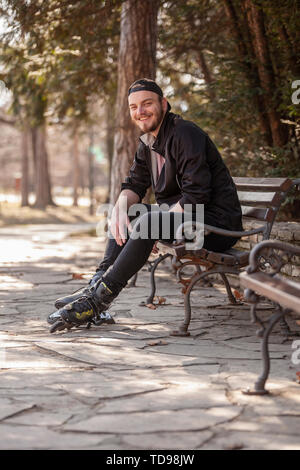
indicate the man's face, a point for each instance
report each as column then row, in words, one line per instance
column 147, row 111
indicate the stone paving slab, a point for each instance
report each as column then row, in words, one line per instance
column 172, row 441
column 155, row 421
column 107, row 356
column 251, row 440
column 131, row 385
column 172, row 398
column 44, row 438
column 9, row 408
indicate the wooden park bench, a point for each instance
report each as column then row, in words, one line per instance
column 262, row 280
column 260, row 198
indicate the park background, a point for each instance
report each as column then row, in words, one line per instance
column 66, row 140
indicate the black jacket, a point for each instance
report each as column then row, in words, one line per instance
column 194, row 173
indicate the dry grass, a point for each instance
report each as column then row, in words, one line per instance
column 13, row 214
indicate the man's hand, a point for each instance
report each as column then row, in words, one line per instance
column 119, row 224
column 155, row 250
column 119, row 219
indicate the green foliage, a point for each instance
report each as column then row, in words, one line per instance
column 278, row 161
column 60, row 55
column 224, row 102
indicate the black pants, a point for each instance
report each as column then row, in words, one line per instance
column 122, row 262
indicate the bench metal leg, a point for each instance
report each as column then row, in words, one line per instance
column 132, row 282
column 152, row 276
column 182, row 330
column 175, row 264
column 285, row 329
column 284, row 326
column 230, row 295
column 259, row 386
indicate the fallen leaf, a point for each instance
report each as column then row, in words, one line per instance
column 152, row 306
column 77, row 276
column 237, row 446
column 238, row 295
column 157, row 343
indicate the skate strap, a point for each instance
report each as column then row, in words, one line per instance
column 110, row 291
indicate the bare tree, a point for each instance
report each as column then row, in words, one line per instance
column 245, row 49
column 255, row 17
column 25, row 167
column 76, row 166
column 137, row 59
column 42, row 176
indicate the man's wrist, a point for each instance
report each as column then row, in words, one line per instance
column 176, row 208
column 127, row 198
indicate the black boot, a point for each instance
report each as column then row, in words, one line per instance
column 62, row 301
column 87, row 309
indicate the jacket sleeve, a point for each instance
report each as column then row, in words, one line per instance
column 193, row 170
column 139, row 179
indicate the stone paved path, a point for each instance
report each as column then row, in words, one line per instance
column 130, row 385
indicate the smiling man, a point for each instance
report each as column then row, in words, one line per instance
column 147, row 109
column 185, row 170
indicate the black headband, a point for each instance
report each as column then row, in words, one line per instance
column 145, row 85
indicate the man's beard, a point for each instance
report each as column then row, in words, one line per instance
column 156, row 122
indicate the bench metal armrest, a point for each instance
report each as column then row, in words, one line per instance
column 296, row 183
column 270, row 245
column 233, row 233
column 199, row 230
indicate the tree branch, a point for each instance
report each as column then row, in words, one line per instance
column 10, row 122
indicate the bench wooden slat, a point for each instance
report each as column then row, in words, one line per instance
column 280, row 290
column 221, row 258
column 230, row 257
column 175, row 250
column 242, row 257
column 260, row 199
column 262, row 184
column 258, row 213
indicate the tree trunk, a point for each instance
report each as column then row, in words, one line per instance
column 91, row 170
column 247, row 58
column 137, row 59
column 265, row 71
column 206, row 74
column 109, row 140
column 76, row 167
column 25, row 168
column 42, row 176
column 291, row 54
column 33, row 132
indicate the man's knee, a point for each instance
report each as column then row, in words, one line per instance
column 141, row 227
column 136, row 211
